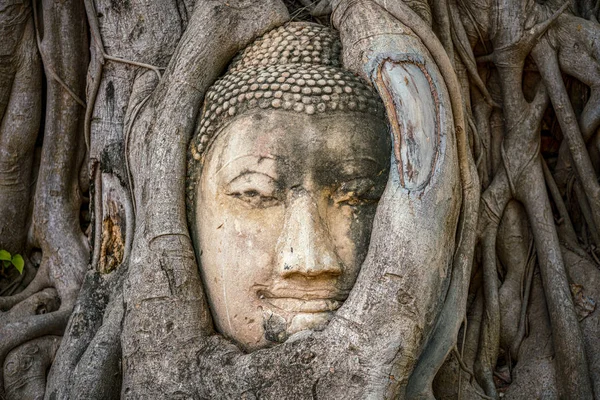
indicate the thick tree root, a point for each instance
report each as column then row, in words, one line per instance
column 444, row 336
column 25, row 368
column 87, row 364
column 29, row 328
column 20, row 114
column 57, row 203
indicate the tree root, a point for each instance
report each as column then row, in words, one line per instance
column 489, row 336
column 514, row 253
column 570, row 235
column 99, row 368
column 461, row 43
column 526, row 293
column 101, row 53
column 21, row 282
column 87, row 364
column 442, row 26
column 48, row 66
column 39, row 282
column 32, row 327
column 20, row 114
column 445, row 333
column 522, row 180
column 568, row 343
column 547, row 62
column 57, row 203
column 466, row 369
column 42, row 302
column 25, row 368
column 588, row 213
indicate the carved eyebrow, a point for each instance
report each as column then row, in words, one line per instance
column 259, row 161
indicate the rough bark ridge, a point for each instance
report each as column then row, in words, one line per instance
column 455, row 299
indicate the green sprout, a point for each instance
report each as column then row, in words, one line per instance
column 16, row 261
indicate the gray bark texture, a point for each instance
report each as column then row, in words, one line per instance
column 482, row 276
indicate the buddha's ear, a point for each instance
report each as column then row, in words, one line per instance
column 405, row 279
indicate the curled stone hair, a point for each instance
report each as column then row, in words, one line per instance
column 296, row 68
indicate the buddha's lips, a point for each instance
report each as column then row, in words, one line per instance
column 304, row 301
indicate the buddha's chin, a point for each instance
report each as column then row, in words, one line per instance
column 279, row 326
column 309, row 321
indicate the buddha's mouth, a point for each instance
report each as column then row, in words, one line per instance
column 303, row 301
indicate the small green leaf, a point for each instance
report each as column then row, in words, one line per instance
column 4, row 255
column 18, row 262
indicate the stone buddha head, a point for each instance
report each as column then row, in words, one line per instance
column 286, row 168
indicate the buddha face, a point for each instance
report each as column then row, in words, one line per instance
column 285, row 205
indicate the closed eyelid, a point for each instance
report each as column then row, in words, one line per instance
column 247, row 173
column 244, row 165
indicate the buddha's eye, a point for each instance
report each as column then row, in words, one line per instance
column 254, row 199
column 257, row 190
column 358, row 192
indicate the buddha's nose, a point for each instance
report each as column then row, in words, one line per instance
column 304, row 247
